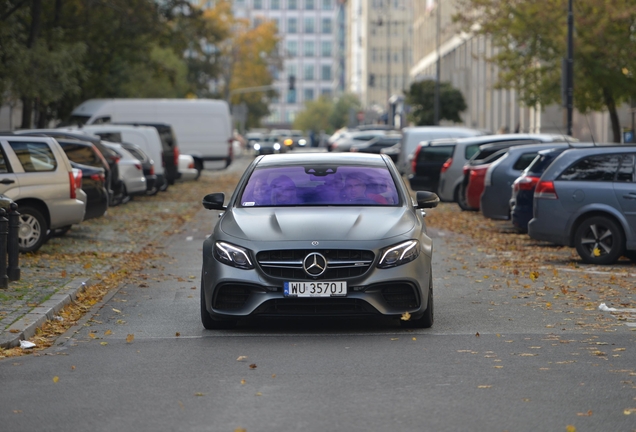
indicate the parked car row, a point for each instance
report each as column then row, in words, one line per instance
column 61, row 177
column 581, row 195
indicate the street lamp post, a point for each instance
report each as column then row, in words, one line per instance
column 569, row 73
column 438, row 64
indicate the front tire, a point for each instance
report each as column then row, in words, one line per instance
column 208, row 322
column 426, row 320
column 32, row 233
column 599, row 240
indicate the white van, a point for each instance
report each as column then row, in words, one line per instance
column 145, row 137
column 203, row 127
column 412, row 136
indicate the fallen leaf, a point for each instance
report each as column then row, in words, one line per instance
column 570, row 428
column 406, row 316
column 108, row 333
column 130, row 338
column 92, row 335
column 72, row 367
column 414, row 339
column 103, row 343
column 242, row 381
column 629, row 411
column 88, row 265
column 534, row 275
column 56, row 379
column 14, row 331
column 116, row 310
column 484, row 386
column 259, row 394
column 241, row 358
column 586, row 414
column 253, row 366
column 273, row 375
column 177, row 334
column 240, row 430
column 63, row 273
column 477, row 334
column 394, row 339
column 199, row 394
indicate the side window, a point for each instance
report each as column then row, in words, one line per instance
column 102, row 120
column 592, row 168
column 626, row 169
column 523, row 161
column 34, row 156
column 3, row 163
column 81, row 154
column 470, row 151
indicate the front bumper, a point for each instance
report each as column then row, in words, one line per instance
column 232, row 293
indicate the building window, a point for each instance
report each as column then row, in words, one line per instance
column 327, row 4
column 292, row 48
column 310, row 49
column 326, row 26
column 275, row 5
column 309, row 4
column 325, row 72
column 292, row 25
column 325, row 48
column 309, row 25
column 327, row 93
column 308, row 72
column 292, row 4
column 308, row 95
column 291, row 96
column 258, row 4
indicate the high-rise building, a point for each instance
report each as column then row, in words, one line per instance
column 311, row 47
column 379, row 55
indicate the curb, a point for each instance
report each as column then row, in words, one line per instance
column 25, row 327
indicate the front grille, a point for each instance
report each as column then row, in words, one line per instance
column 315, row 307
column 341, row 263
column 400, row 296
column 231, row 296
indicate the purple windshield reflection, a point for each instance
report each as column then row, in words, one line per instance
column 321, row 185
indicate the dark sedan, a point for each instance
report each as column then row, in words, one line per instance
column 94, row 186
column 318, row 234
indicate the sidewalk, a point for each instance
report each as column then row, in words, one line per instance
column 65, row 266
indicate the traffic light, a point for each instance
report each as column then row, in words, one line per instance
column 292, row 82
column 371, row 80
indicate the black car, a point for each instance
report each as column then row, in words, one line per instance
column 427, row 163
column 94, row 186
column 146, row 165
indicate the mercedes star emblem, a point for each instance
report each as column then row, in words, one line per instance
column 315, row 264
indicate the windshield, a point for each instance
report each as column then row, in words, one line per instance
column 320, row 185
column 75, row 120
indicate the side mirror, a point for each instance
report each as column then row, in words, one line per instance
column 214, row 201
column 426, row 199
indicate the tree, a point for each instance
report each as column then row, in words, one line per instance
column 531, row 39
column 344, row 106
column 421, row 98
column 315, row 116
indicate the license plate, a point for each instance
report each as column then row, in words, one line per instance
column 315, row 289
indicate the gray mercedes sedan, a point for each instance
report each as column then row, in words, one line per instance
column 318, row 235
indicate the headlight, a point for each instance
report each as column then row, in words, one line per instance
column 302, row 142
column 276, row 146
column 257, row 147
column 232, row 255
column 399, row 254
column 288, row 142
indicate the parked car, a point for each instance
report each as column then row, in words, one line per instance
column 349, row 139
column 252, row 138
column 318, row 234
column 37, row 175
column 376, row 144
column 451, row 173
column 485, row 152
column 428, row 161
column 299, row 139
column 187, row 168
column 147, row 166
column 412, row 136
column 268, row 145
column 586, row 198
column 94, row 186
column 131, row 172
column 494, row 201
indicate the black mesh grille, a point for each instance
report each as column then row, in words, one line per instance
column 230, row 297
column 400, row 296
column 341, row 263
column 315, row 307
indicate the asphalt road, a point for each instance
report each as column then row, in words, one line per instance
column 489, row 364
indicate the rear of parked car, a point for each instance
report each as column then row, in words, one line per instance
column 494, row 201
column 37, row 175
column 587, row 199
column 427, row 163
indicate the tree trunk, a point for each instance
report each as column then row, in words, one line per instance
column 27, row 111
column 611, row 107
column 36, row 22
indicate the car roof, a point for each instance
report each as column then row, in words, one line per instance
column 493, row 139
column 343, row 158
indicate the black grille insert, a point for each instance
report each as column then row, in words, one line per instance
column 341, row 263
column 231, row 296
column 315, row 307
column 401, row 296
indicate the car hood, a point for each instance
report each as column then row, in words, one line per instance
column 311, row 223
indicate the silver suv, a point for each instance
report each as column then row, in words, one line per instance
column 587, row 199
column 36, row 174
